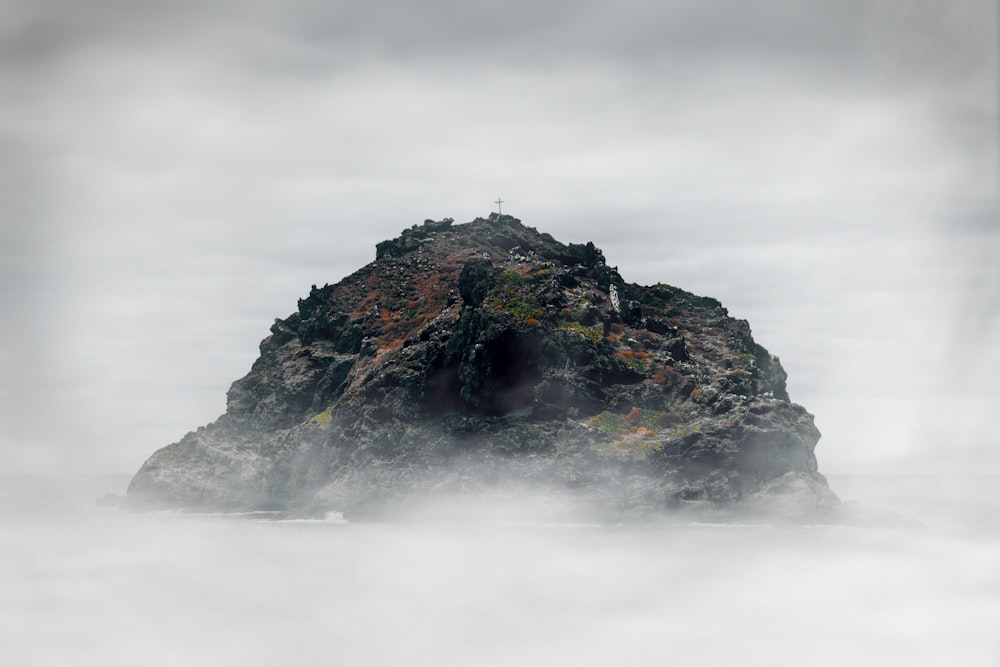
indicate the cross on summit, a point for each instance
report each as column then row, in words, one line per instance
column 498, row 202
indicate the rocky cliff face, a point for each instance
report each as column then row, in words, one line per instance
column 490, row 357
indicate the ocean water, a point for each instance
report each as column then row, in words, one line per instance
column 86, row 585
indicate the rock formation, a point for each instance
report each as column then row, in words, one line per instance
column 489, row 357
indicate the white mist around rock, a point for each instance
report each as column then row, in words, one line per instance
column 84, row 585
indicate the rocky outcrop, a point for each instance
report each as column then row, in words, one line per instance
column 491, row 357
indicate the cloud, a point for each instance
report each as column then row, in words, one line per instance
column 174, row 171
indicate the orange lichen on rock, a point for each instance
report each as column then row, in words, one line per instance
column 634, row 417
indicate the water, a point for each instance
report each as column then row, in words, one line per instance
column 85, row 585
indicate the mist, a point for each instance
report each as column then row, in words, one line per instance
column 175, row 175
column 86, row 585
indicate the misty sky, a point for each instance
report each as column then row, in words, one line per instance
column 174, row 175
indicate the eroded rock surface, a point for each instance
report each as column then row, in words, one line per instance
column 488, row 356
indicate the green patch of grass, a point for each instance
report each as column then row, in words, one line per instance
column 684, row 431
column 636, row 446
column 509, row 298
column 519, row 309
column 637, row 420
column 595, row 334
column 509, row 278
column 634, row 436
column 324, row 418
column 637, row 365
column 608, row 422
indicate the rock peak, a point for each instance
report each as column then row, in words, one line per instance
column 488, row 354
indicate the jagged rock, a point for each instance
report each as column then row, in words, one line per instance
column 475, row 281
column 547, row 373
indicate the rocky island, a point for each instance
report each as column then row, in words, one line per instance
column 488, row 357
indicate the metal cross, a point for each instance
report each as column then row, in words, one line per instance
column 498, row 202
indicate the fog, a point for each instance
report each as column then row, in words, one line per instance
column 86, row 585
column 174, row 176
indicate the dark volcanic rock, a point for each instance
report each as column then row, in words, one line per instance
column 486, row 357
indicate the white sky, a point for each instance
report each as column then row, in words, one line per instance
column 175, row 176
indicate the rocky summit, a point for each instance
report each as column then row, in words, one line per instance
column 489, row 358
